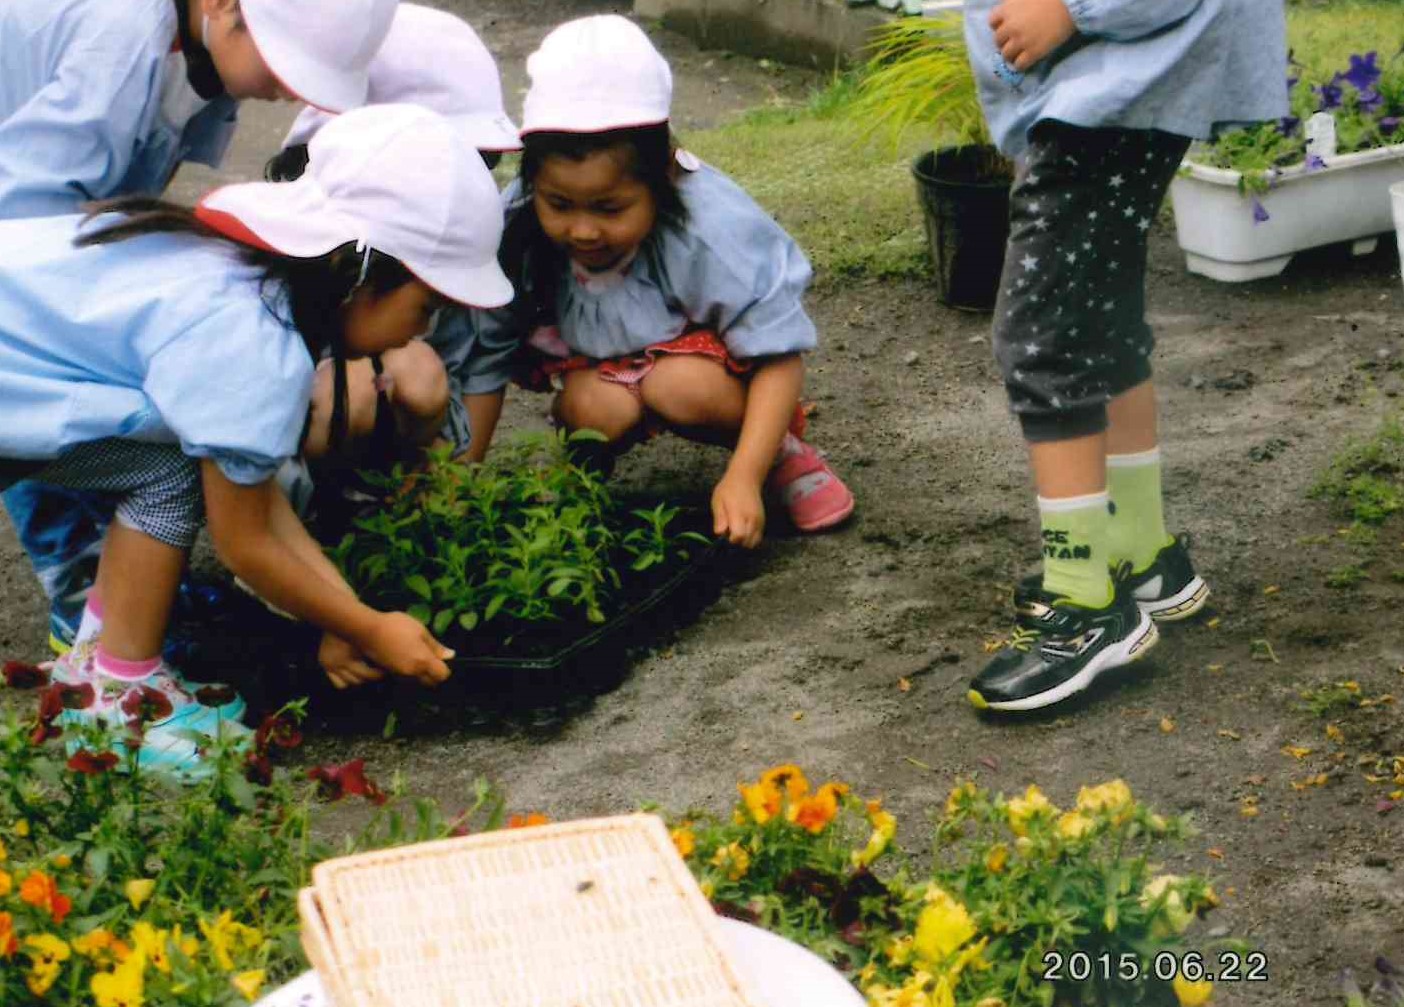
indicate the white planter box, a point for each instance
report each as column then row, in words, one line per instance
column 1348, row 200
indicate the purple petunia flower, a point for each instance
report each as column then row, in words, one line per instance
column 1371, row 101
column 1389, row 124
column 1288, row 125
column 1330, row 97
column 1314, row 163
column 1363, row 73
column 1260, row 214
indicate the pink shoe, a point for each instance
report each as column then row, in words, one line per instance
column 814, row 495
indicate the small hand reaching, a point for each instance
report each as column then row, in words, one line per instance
column 403, row 646
column 738, row 513
column 1028, row 30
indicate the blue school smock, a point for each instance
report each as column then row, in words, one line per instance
column 168, row 338
column 1189, row 67
column 729, row 268
column 95, row 103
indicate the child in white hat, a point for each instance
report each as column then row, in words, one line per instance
column 101, row 99
column 661, row 294
column 453, row 382
column 154, row 351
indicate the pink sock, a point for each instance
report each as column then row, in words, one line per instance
column 127, row 671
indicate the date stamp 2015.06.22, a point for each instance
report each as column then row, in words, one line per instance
column 1220, row 967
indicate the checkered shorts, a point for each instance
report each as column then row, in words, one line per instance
column 156, row 487
column 1070, row 330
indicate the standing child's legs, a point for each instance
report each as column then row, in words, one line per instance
column 1071, row 338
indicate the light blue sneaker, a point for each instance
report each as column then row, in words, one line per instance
column 76, row 667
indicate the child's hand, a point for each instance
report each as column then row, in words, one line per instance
column 738, row 512
column 344, row 664
column 1028, row 30
column 403, row 646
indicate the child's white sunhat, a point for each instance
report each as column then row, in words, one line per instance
column 434, row 59
column 399, row 179
column 596, row 74
column 320, row 50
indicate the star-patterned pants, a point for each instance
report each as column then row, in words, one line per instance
column 1070, row 330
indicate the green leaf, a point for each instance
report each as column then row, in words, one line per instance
column 419, row 584
column 494, row 606
column 469, row 621
column 420, row 612
column 442, row 621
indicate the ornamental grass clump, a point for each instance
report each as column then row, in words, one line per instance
column 530, row 536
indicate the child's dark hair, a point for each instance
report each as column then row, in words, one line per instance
column 531, row 260
column 306, row 293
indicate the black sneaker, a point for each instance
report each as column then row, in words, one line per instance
column 1058, row 648
column 1168, row 590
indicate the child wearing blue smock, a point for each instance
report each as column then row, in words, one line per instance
column 450, row 384
column 657, row 290
column 101, row 99
column 161, row 355
column 1099, row 100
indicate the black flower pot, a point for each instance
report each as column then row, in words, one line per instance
column 964, row 193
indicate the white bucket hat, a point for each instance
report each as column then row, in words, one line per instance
column 320, row 50
column 436, row 60
column 596, row 74
column 396, row 178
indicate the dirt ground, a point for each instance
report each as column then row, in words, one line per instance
column 801, row 658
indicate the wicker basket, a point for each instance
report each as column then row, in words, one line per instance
column 596, row 913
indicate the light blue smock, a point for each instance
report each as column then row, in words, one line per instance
column 729, row 268
column 1189, row 67
column 94, row 103
column 164, row 338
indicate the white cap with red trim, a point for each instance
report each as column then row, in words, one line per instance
column 320, row 50
column 437, row 60
column 396, row 178
column 596, row 74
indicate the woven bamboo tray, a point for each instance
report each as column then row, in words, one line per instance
column 595, row 913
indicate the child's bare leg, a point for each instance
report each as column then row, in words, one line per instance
column 697, row 397
column 418, row 393
column 137, row 580
column 1131, row 418
column 588, row 402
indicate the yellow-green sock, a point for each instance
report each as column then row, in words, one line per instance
column 1137, row 531
column 1075, row 562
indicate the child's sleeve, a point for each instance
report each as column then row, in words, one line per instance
column 737, row 272
column 234, row 388
column 478, row 348
column 1128, row 20
column 74, row 140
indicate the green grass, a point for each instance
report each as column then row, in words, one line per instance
column 850, row 204
column 1365, row 481
column 1323, row 33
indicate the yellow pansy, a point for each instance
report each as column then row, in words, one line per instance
column 732, row 859
column 685, row 842
column 943, row 995
column 226, row 936
column 1073, row 825
column 4, row 853
column 762, row 802
column 1021, row 809
column 943, row 926
column 884, row 828
column 47, row 954
column 996, row 858
column 969, row 957
column 1114, row 795
column 899, row 950
column 102, row 946
column 787, row 780
column 1192, row 994
column 708, row 889
column 814, row 813
column 21, row 828
column 138, row 890
column 63, row 861
column 249, row 983
column 959, row 794
column 152, row 943
column 1174, row 916
column 123, row 986
column 7, row 884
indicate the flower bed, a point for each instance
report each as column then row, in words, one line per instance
column 118, row 890
column 1246, row 203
